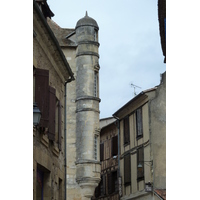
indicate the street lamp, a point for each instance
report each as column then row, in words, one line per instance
column 140, row 165
column 148, row 186
column 36, row 115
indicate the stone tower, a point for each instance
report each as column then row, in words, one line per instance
column 87, row 106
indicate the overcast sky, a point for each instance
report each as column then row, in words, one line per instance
column 130, row 49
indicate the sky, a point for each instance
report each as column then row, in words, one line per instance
column 130, row 49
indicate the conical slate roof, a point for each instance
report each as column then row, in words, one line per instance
column 87, row 21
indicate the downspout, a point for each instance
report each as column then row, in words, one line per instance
column 118, row 173
column 65, row 133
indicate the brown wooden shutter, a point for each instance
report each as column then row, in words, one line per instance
column 109, row 183
column 42, row 95
column 126, row 130
column 127, row 169
column 101, row 151
column 59, row 125
column 115, row 145
column 52, row 109
column 104, row 184
column 140, row 160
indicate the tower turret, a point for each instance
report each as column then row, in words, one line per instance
column 87, row 101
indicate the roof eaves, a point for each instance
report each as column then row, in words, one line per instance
column 54, row 39
column 133, row 99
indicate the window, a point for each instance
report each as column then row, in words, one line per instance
column 45, row 97
column 126, row 130
column 58, row 122
column 42, row 179
column 140, row 164
column 127, row 169
column 40, row 184
column 101, row 188
column 139, row 125
column 115, row 145
column 101, row 151
column 95, row 83
column 112, row 182
column 95, row 35
column 95, row 147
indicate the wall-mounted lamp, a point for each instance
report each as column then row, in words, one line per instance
column 140, row 165
column 36, row 115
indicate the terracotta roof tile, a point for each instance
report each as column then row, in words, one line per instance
column 161, row 193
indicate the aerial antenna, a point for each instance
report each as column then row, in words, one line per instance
column 134, row 86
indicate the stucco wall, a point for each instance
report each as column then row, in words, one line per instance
column 158, row 134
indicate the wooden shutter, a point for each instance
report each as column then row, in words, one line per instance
column 140, row 160
column 101, row 151
column 115, row 145
column 139, row 122
column 104, row 184
column 52, row 109
column 109, row 183
column 42, row 95
column 59, row 125
column 126, row 130
column 127, row 169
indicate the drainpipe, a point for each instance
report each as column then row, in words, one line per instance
column 65, row 133
column 118, row 147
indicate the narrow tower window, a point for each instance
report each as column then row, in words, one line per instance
column 95, row 35
column 95, row 147
column 95, row 83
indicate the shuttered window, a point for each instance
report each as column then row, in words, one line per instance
column 101, row 151
column 126, row 130
column 127, row 169
column 139, row 125
column 140, row 164
column 42, row 95
column 101, row 188
column 115, row 145
column 52, row 108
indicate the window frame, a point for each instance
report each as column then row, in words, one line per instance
column 140, row 160
column 139, row 123
column 127, row 169
column 126, row 131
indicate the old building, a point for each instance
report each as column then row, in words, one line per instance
column 108, row 187
column 143, row 143
column 162, row 25
column 80, row 47
column 51, row 71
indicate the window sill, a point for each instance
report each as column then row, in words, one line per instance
column 140, row 179
column 126, row 144
column 138, row 137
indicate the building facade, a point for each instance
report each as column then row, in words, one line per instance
column 50, row 73
column 80, row 47
column 143, row 143
column 108, row 187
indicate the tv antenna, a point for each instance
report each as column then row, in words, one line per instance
column 134, row 86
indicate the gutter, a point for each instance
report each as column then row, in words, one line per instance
column 35, row 6
column 118, row 127
column 65, row 134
